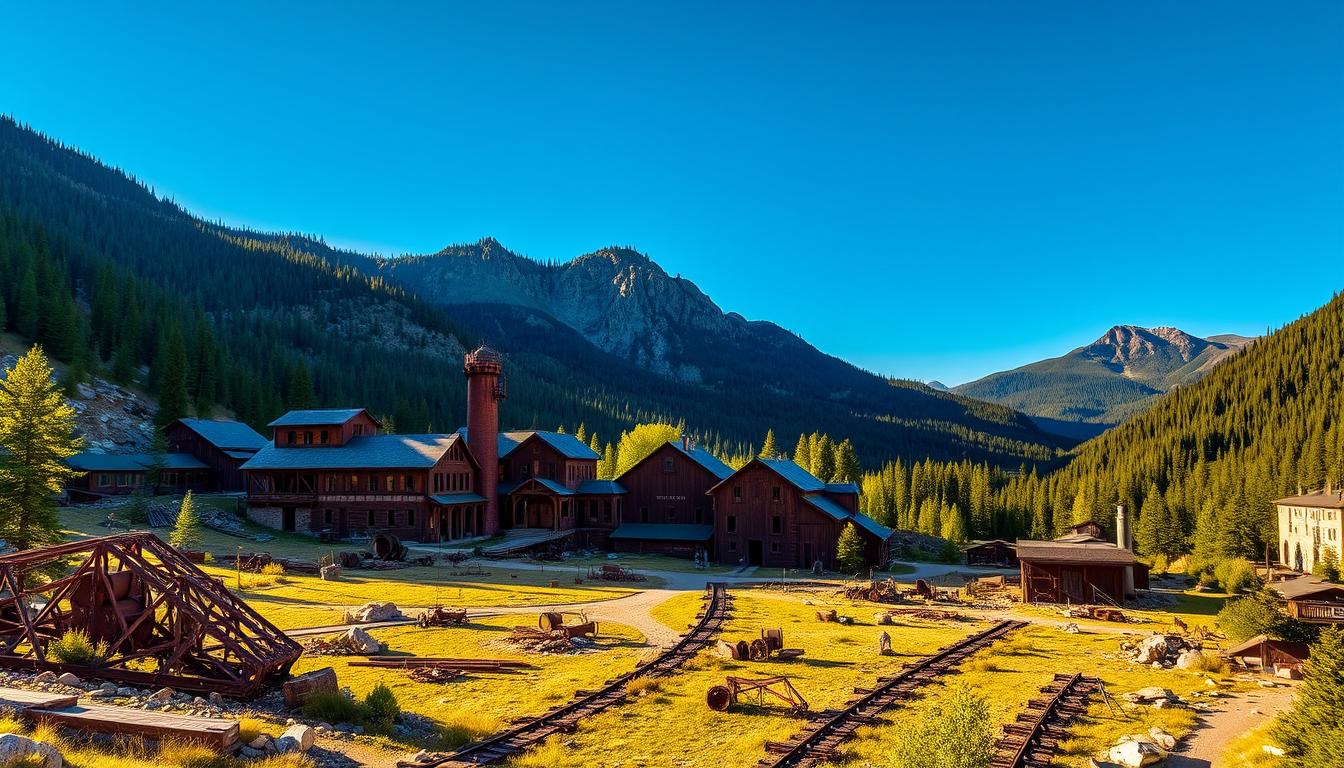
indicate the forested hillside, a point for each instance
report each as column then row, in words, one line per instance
column 1200, row 468
column 110, row 277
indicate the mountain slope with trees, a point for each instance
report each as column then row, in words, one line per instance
column 110, row 277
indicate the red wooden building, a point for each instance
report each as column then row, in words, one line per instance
column 1312, row 600
column 117, row 474
column 774, row 513
column 670, row 510
column 1089, row 572
column 223, row 446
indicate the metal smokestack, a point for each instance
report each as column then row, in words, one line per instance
column 1124, row 537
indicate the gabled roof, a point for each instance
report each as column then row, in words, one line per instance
column 318, row 417
column 1305, row 586
column 565, row 444
column 131, row 462
column 231, row 435
column 663, row 532
column 364, row 452
column 792, row 473
column 545, row 484
column 1322, row 500
column 840, row 514
column 1073, row 552
column 1080, row 538
column 842, row 487
column 708, row 461
column 1296, row 650
column 610, row 487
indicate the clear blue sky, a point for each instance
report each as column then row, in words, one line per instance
column 934, row 190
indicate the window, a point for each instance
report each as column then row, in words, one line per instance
column 373, row 483
column 669, row 466
column 731, row 523
column 737, row 493
column 354, row 483
column 774, row 493
column 606, row 511
column 776, row 524
column 410, row 517
column 104, row 479
column 326, row 516
column 324, row 437
column 331, row 483
column 410, row 482
column 359, row 430
column 293, row 437
column 390, row 484
column 699, row 515
column 308, row 437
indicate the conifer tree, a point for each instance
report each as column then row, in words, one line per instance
column 187, row 530
column 1311, row 733
column 849, row 550
column 768, row 449
column 26, row 306
column 594, row 445
column 581, row 434
column 1327, row 565
column 299, row 394
column 158, row 462
column 171, row 375
column 823, row 459
column 954, row 528
column 37, row 435
column 802, row 453
column 846, row 463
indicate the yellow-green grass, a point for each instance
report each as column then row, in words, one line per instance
column 669, row 724
column 413, row 588
column 131, row 752
column 679, row 612
column 1248, row 749
column 1012, row 672
column 1196, row 609
column 481, row 703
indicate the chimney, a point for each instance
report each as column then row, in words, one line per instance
column 484, row 368
column 1123, row 536
column 685, row 443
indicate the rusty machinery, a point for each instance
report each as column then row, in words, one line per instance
column 156, row 617
column 721, row 697
column 770, row 643
column 554, row 621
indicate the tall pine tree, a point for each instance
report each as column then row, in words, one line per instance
column 37, row 435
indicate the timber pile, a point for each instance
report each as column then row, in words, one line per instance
column 433, row 674
column 874, row 591
column 534, row 640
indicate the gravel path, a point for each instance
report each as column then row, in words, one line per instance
column 1236, row 714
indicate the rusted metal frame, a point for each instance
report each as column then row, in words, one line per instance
column 28, row 628
column 60, row 593
column 107, row 584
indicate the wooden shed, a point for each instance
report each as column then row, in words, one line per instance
column 997, row 552
column 1267, row 653
column 1312, row 600
column 1084, row 572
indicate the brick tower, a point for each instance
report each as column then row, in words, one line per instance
column 484, row 368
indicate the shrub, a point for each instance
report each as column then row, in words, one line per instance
column 75, row 647
column 1235, row 574
column 380, row 707
column 1259, row 614
column 332, row 707
column 956, row 732
column 644, row 685
column 1327, row 565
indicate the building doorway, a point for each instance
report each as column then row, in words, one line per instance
column 755, row 552
column 287, row 519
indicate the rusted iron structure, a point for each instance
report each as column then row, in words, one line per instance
column 1030, row 742
column 529, row 732
column 163, row 621
column 819, row 743
column 721, row 697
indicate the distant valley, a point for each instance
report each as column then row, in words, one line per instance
column 1117, row 376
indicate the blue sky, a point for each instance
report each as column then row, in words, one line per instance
column 932, row 190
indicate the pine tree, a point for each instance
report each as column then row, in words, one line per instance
column 171, row 375
column 26, row 306
column 1311, row 733
column 768, row 449
column 823, row 458
column 581, row 434
column 849, row 550
column 847, row 468
column 1327, row 565
column 299, row 393
column 158, row 462
column 187, row 530
column 1152, row 535
column 802, row 453
column 37, row 435
column 594, row 445
column 954, row 527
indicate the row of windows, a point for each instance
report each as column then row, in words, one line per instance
column 776, row 524
column 774, row 493
column 370, row 483
column 373, row 518
column 452, row 481
column 1327, row 515
column 135, row 479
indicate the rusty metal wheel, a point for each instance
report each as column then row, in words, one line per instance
column 718, row 698
column 760, row 650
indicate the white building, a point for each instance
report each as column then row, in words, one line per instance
column 1307, row 525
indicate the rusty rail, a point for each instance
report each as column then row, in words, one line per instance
column 1030, row 741
column 818, row 743
column 564, row 719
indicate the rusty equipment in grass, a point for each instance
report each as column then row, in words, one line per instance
column 161, row 619
column 438, row 616
column 609, row 572
column 721, row 697
column 770, row 643
column 554, row 621
column 388, row 547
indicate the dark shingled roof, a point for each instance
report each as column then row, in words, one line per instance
column 704, row 458
column 1070, row 552
column 558, row 489
column 1296, row 589
column 130, row 462
column 797, row 476
column 316, row 417
column 366, row 452
column 663, row 532
column 567, row 445
column 226, row 434
column 1317, row 500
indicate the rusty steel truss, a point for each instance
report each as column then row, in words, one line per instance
column 156, row 618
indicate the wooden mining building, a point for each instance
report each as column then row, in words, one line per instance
column 1081, row 567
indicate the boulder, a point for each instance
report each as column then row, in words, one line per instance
column 45, row 677
column 1162, row 739
column 1191, row 659
column 298, row 689
column 1155, row 648
column 1135, row 754
column 884, row 644
column 21, row 750
column 359, row 641
column 1153, row 693
column 371, row 612
column 163, row 695
column 69, row 679
column 296, row 738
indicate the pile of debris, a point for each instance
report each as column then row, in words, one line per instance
column 370, row 613
column 534, row 640
column 433, row 674
column 352, row 642
column 1164, row 652
column 1156, row 697
column 874, row 592
column 439, row 616
column 615, row 573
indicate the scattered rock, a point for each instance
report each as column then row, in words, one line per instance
column 45, row 677
column 162, row 696
column 21, row 750
column 69, row 679
column 1135, row 754
column 884, row 644
column 372, row 612
column 261, row 742
column 296, row 738
column 1162, row 739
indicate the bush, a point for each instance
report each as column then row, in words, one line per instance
column 1327, row 565
column 956, row 732
column 1235, row 574
column 377, row 711
column 75, row 647
column 1259, row 614
column 380, row 707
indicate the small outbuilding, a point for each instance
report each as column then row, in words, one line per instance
column 991, row 553
column 1267, row 653
column 1312, row 600
column 1075, row 572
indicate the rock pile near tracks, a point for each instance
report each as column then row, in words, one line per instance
column 1163, row 652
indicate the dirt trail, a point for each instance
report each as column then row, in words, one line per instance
column 1236, row 714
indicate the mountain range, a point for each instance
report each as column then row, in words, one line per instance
column 274, row 320
column 1102, row 383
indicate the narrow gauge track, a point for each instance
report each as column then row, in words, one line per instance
column 565, row 718
column 831, row 728
column 1030, row 742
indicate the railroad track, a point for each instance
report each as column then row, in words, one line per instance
column 1030, row 742
column 830, row 729
column 528, row 732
